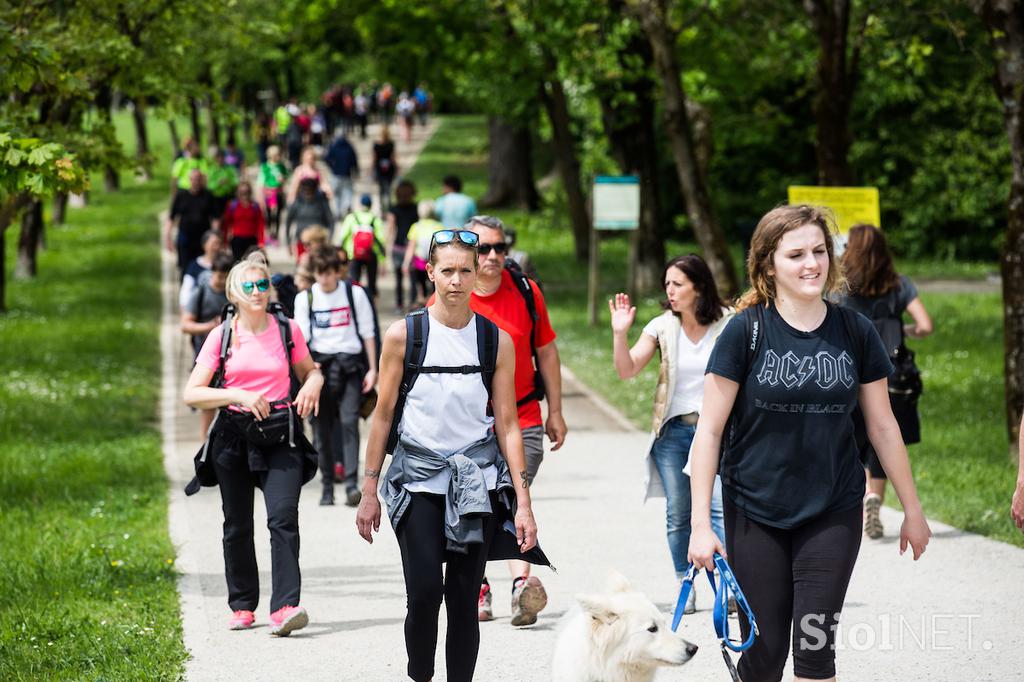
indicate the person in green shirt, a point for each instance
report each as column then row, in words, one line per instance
column 418, row 252
column 183, row 166
column 362, row 237
column 222, row 181
column 270, row 184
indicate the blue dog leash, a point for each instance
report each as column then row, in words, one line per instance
column 721, row 612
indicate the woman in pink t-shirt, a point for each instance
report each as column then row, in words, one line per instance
column 256, row 383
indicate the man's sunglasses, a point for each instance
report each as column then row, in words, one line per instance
column 442, row 237
column 498, row 247
column 261, row 284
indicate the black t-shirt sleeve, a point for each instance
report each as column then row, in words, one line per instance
column 874, row 359
column 729, row 356
column 908, row 292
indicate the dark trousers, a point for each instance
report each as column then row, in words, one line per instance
column 239, row 245
column 397, row 256
column 281, row 485
column 370, row 266
column 384, row 185
column 792, row 577
column 418, row 281
column 343, row 411
column 422, row 541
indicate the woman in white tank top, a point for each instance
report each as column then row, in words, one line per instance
column 444, row 427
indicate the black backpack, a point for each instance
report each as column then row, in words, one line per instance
column 228, row 315
column 417, row 330
column 525, row 288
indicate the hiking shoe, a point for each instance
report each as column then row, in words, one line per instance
column 353, row 497
column 691, row 601
column 484, row 612
column 528, row 599
column 287, row 620
column 327, row 498
column 872, row 522
column 241, row 620
column 339, row 472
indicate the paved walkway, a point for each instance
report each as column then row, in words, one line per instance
column 956, row 615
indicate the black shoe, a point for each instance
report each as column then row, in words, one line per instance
column 327, row 499
column 352, row 497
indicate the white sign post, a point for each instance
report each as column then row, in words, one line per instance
column 616, row 206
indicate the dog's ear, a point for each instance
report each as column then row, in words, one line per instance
column 598, row 608
column 617, row 582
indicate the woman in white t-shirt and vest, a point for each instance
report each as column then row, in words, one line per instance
column 444, row 425
column 684, row 335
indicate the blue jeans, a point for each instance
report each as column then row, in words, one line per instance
column 670, row 451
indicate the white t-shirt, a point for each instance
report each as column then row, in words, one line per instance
column 332, row 330
column 691, row 362
column 447, row 412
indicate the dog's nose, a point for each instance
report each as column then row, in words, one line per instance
column 691, row 650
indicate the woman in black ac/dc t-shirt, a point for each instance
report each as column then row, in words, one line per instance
column 785, row 376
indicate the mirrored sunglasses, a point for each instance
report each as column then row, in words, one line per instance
column 261, row 284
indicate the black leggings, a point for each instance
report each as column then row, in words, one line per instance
column 422, row 541
column 792, row 577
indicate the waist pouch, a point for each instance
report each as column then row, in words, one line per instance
column 278, row 428
column 338, row 367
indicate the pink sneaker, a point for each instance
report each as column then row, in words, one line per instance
column 287, row 620
column 241, row 620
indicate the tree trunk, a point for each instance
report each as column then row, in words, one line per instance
column 555, row 103
column 104, row 101
column 60, row 208
column 9, row 210
column 835, row 86
column 213, row 124
column 510, row 168
column 197, row 127
column 172, row 129
column 141, row 138
column 1005, row 21
column 652, row 14
column 634, row 146
column 28, row 240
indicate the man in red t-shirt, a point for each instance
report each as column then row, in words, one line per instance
column 497, row 297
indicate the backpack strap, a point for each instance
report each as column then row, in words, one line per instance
column 228, row 314
column 309, row 302
column 525, row 289
column 277, row 310
column 487, row 350
column 417, row 329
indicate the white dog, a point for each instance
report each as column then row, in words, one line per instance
column 616, row 637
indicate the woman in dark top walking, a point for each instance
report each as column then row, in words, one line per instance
column 785, row 376
column 384, row 167
column 402, row 215
column 880, row 294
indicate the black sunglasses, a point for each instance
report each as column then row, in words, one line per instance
column 498, row 247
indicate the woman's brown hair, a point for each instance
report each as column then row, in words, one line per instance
column 867, row 262
column 769, row 232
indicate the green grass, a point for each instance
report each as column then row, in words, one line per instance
column 87, row 577
column 963, row 472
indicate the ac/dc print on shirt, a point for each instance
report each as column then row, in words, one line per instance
column 789, row 453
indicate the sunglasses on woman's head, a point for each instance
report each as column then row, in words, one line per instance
column 442, row 237
column 498, row 247
column 260, row 284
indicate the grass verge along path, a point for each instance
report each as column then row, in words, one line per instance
column 962, row 469
column 87, row 577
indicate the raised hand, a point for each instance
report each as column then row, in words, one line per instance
column 622, row 313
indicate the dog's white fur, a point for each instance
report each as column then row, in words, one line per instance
column 609, row 638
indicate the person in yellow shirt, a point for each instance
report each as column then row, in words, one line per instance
column 417, row 253
column 362, row 236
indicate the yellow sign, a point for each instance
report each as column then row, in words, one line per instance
column 851, row 205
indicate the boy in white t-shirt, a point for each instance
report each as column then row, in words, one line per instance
column 337, row 320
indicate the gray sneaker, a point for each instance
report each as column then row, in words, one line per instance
column 528, row 599
column 872, row 520
column 691, row 601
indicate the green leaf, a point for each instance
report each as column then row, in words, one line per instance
column 14, row 156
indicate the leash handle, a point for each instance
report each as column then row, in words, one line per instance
column 684, row 593
column 721, row 613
